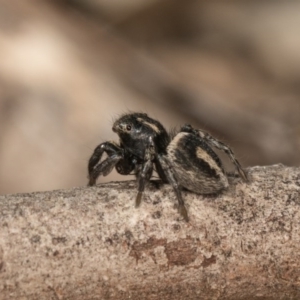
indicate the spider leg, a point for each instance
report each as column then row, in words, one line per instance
column 211, row 141
column 104, row 168
column 95, row 169
column 171, row 176
column 108, row 147
column 160, row 172
column 143, row 178
column 145, row 172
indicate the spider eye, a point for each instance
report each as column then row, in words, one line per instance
column 128, row 127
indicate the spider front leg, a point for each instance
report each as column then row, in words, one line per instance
column 95, row 168
column 211, row 141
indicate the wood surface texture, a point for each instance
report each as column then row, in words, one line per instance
column 91, row 243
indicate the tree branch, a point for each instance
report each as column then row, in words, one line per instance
column 91, row 243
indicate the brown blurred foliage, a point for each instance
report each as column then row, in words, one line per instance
column 67, row 68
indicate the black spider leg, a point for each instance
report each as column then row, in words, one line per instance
column 211, row 141
column 145, row 172
column 171, row 176
column 95, row 168
column 160, row 172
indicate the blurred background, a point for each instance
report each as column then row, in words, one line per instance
column 68, row 68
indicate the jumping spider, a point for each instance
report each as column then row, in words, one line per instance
column 183, row 159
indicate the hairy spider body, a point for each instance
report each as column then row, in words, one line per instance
column 197, row 166
column 184, row 159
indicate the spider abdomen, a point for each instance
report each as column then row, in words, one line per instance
column 197, row 166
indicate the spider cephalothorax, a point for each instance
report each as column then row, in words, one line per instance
column 184, row 159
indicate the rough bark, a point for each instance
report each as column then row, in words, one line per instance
column 91, row 243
